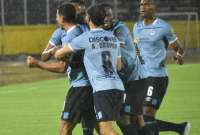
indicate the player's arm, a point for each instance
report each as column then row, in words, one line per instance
column 119, row 58
column 53, row 45
column 58, row 67
column 48, row 52
column 179, row 52
column 61, row 53
column 119, row 64
column 174, row 44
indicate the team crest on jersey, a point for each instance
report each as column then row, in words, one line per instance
column 99, row 115
column 65, row 115
column 127, row 109
column 136, row 40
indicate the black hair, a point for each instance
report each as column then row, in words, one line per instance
column 68, row 12
column 97, row 14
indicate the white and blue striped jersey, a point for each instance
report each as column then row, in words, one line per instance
column 152, row 41
column 100, row 59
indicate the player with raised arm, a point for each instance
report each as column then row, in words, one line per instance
column 153, row 36
column 102, row 58
column 79, row 100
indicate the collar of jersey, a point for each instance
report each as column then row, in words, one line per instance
column 70, row 29
column 154, row 22
column 96, row 29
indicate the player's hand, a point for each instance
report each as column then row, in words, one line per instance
column 31, row 62
column 178, row 59
column 49, row 52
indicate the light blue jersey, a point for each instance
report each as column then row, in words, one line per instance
column 84, row 27
column 100, row 59
column 153, row 41
column 57, row 36
column 130, row 72
column 77, row 75
column 60, row 33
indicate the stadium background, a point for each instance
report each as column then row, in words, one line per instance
column 26, row 26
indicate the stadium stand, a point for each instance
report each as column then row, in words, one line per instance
column 124, row 9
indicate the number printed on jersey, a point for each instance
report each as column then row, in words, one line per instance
column 150, row 91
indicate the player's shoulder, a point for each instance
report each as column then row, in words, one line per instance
column 77, row 31
column 84, row 35
column 59, row 33
column 138, row 24
column 59, row 30
column 161, row 22
column 119, row 25
column 84, row 27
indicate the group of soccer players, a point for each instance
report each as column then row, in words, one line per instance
column 114, row 76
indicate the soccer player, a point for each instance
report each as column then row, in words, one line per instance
column 132, row 109
column 79, row 100
column 101, row 60
column 56, row 39
column 153, row 36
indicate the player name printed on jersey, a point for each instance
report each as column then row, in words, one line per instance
column 103, row 42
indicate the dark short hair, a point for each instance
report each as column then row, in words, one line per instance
column 97, row 14
column 68, row 12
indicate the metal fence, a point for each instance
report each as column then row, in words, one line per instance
column 17, row 12
column 34, row 12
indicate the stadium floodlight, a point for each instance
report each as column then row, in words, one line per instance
column 187, row 23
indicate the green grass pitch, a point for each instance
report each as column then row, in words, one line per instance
column 34, row 108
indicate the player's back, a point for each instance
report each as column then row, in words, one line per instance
column 100, row 60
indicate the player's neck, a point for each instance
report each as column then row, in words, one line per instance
column 149, row 21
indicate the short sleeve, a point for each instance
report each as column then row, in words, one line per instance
column 79, row 43
column 170, row 35
column 56, row 37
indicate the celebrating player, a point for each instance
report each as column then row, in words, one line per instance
column 101, row 59
column 132, row 108
column 152, row 36
column 79, row 100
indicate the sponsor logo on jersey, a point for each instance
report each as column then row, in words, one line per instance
column 65, row 115
column 99, row 115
